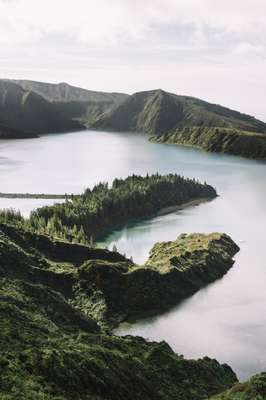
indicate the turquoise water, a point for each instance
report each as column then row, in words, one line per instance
column 225, row 320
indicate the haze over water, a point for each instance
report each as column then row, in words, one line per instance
column 225, row 320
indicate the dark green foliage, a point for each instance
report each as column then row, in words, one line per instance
column 49, row 350
column 103, row 207
column 156, row 112
column 220, row 140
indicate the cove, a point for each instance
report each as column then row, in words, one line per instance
column 225, row 320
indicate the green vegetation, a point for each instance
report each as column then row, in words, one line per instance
column 103, row 208
column 157, row 112
column 215, row 139
column 37, row 196
column 51, row 348
column 254, row 389
column 174, row 271
column 109, row 287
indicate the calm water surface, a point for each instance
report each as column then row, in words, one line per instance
column 227, row 319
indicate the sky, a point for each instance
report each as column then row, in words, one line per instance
column 211, row 49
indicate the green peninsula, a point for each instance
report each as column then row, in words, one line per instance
column 52, row 345
column 105, row 207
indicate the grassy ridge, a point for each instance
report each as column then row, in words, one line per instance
column 157, row 112
column 220, row 140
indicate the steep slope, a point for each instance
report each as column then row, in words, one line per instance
column 157, row 112
column 50, row 350
column 219, row 140
column 74, row 102
column 28, row 113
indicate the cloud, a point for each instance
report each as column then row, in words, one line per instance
column 198, row 46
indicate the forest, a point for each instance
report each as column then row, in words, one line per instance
column 82, row 219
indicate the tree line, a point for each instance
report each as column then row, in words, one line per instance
column 104, row 207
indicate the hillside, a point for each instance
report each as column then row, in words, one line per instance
column 29, row 114
column 74, row 102
column 156, row 112
column 52, row 350
column 219, row 140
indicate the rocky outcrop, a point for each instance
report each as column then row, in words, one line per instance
column 174, row 271
column 156, row 112
column 218, row 140
column 51, row 349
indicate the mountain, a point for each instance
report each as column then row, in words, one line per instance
column 63, row 92
column 74, row 102
column 25, row 113
column 156, row 112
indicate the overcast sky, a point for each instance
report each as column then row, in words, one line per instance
column 212, row 49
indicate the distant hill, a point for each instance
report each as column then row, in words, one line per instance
column 156, row 112
column 24, row 113
column 74, row 102
column 63, row 92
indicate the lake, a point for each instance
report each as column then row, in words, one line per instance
column 227, row 319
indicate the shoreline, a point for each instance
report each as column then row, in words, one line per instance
column 101, row 238
column 191, row 203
